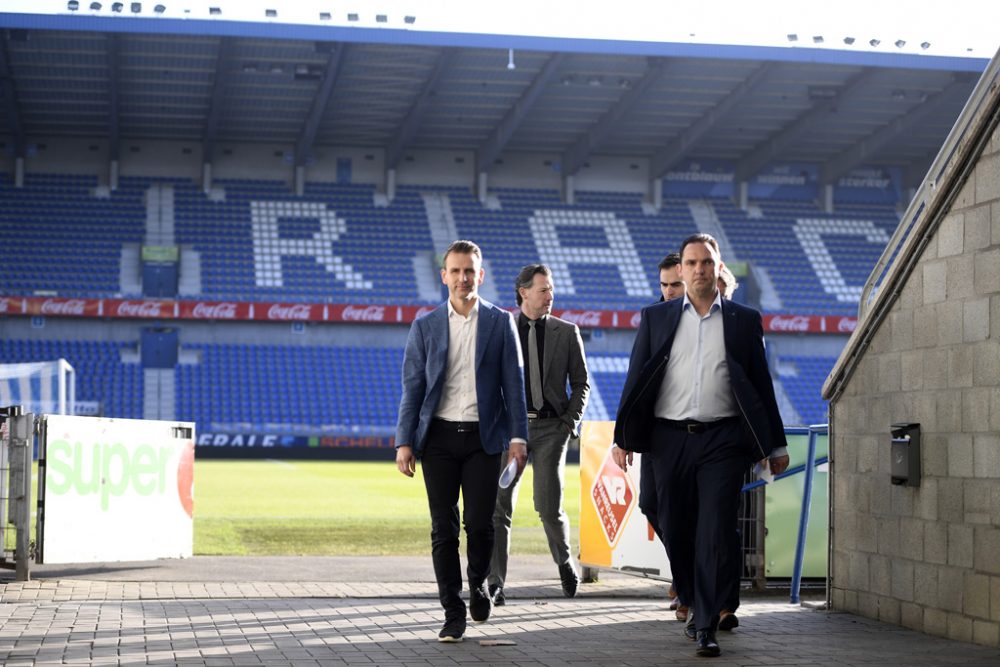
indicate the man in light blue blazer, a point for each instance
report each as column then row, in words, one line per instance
column 462, row 406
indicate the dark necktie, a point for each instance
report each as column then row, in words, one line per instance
column 534, row 372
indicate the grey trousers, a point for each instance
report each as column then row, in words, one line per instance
column 548, row 440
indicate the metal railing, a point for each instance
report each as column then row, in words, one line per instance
column 15, row 491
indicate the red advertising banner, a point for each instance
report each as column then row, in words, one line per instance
column 140, row 309
column 12, row 305
column 347, row 312
column 60, row 307
column 287, row 312
column 213, row 310
column 836, row 324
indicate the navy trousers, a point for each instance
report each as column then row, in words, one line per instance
column 698, row 477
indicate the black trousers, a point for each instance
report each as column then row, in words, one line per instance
column 698, row 477
column 454, row 462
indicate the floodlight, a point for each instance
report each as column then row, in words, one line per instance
column 117, row 7
column 325, row 16
column 900, row 43
column 792, row 37
column 73, row 5
column 874, row 42
column 381, row 18
column 925, row 45
column 136, row 7
column 159, row 9
column 848, row 40
column 271, row 13
column 410, row 19
column 95, row 6
column 817, row 39
column 214, row 11
column 352, row 17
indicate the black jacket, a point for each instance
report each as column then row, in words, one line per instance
column 748, row 374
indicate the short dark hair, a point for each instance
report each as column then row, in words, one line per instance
column 670, row 261
column 463, row 248
column 707, row 239
column 526, row 278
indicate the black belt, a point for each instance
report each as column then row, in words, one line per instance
column 456, row 427
column 693, row 426
column 542, row 414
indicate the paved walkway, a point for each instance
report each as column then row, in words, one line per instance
column 383, row 611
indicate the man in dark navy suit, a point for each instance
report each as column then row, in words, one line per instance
column 699, row 401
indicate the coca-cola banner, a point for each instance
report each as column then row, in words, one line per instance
column 60, row 307
column 12, row 305
column 213, row 310
column 140, row 308
column 372, row 314
column 287, row 312
column 836, row 324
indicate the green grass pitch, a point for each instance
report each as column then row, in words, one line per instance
column 335, row 508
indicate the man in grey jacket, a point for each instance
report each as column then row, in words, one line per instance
column 553, row 356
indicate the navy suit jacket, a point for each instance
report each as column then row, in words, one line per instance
column 499, row 378
column 749, row 377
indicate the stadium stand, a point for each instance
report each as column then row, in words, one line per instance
column 57, row 236
column 257, row 242
column 256, row 388
column 802, row 378
column 101, row 375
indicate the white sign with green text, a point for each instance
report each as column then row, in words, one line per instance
column 117, row 489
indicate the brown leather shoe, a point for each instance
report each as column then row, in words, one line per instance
column 728, row 620
column 681, row 613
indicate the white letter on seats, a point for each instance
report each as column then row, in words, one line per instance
column 269, row 247
column 620, row 252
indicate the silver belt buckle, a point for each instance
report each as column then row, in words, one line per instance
column 532, row 415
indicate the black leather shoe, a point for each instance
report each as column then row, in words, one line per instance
column 453, row 630
column 499, row 599
column 689, row 630
column 480, row 604
column 707, row 646
column 570, row 579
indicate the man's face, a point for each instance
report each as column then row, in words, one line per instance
column 671, row 283
column 536, row 301
column 700, row 270
column 463, row 274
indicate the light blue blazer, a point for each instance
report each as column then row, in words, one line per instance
column 499, row 378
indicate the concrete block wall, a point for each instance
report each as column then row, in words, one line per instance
column 928, row 558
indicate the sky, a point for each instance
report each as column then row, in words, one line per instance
column 964, row 28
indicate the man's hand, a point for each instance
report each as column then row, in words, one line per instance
column 622, row 458
column 519, row 451
column 406, row 463
column 778, row 464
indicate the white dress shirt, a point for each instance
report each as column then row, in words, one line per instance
column 696, row 383
column 458, row 396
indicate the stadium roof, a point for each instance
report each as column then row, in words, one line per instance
column 141, row 75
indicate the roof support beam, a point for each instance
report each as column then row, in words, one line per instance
column 114, row 125
column 303, row 147
column 223, row 57
column 664, row 160
column 491, row 149
column 576, row 156
column 863, row 150
column 410, row 125
column 762, row 154
column 9, row 92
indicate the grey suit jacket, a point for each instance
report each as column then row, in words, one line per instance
column 564, row 361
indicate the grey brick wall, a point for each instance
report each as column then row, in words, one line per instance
column 928, row 557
